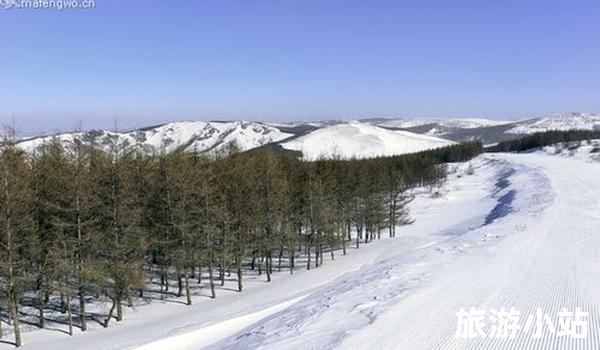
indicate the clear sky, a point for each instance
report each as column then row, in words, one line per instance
column 148, row 61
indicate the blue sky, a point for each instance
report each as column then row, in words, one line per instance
column 145, row 62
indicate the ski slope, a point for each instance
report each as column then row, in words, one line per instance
column 538, row 247
column 549, row 260
column 523, row 231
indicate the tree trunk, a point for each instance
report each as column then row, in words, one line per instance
column 129, row 301
column 349, row 231
column 308, row 256
column 69, row 314
column 40, row 302
column 291, row 256
column 80, row 260
column 268, row 266
column 179, row 284
column 119, row 307
column 166, row 279
column 187, row 289
column 222, row 274
column 260, row 266
column 63, row 306
column 110, row 313
column 82, row 307
column 162, row 283
column 279, row 258
column 343, row 243
column 239, row 272
column 10, row 250
column 15, row 315
column 211, row 280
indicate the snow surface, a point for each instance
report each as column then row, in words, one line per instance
column 588, row 150
column 569, row 121
column 361, row 140
column 537, row 247
column 522, row 231
column 160, row 320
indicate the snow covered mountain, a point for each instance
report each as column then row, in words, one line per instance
column 569, row 121
column 489, row 131
column 196, row 135
column 361, row 140
column 455, row 129
column 315, row 139
column 463, row 123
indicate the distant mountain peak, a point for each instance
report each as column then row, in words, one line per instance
column 201, row 136
column 564, row 121
column 361, row 138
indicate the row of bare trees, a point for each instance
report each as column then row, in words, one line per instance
column 80, row 224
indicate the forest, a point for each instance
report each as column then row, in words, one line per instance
column 542, row 139
column 80, row 224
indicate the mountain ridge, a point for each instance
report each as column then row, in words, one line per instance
column 377, row 136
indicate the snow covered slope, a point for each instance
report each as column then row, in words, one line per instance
column 588, row 150
column 455, row 129
column 490, row 131
column 520, row 232
column 361, row 140
column 198, row 135
column 537, row 248
column 463, row 123
column 569, row 121
column 173, row 325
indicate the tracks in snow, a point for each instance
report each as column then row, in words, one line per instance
column 541, row 251
column 549, row 260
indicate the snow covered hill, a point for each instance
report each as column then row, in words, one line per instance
column 196, row 135
column 361, row 140
column 455, row 129
column 569, row 121
column 462, row 123
column 346, row 139
column 489, row 131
